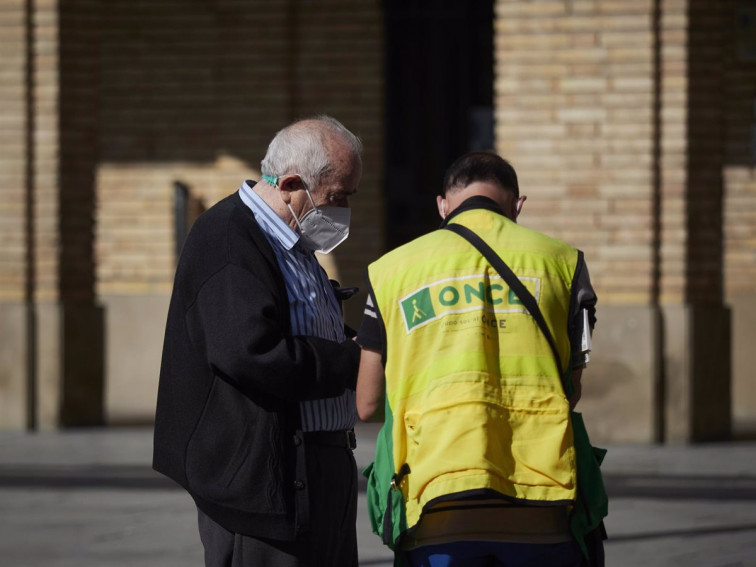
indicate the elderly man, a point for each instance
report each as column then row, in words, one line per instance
column 476, row 462
column 256, row 398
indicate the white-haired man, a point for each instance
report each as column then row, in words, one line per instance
column 257, row 371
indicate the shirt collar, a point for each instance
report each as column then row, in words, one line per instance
column 271, row 224
column 474, row 202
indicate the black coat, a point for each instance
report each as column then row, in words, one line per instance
column 227, row 422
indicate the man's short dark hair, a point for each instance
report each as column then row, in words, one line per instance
column 480, row 166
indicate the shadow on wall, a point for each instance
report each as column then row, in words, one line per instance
column 192, row 92
column 181, row 81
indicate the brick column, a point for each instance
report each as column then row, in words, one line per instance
column 574, row 109
column 15, row 140
column 45, row 345
column 697, row 370
column 29, row 355
column 740, row 205
column 611, row 112
column 197, row 100
column 51, row 370
column 82, row 318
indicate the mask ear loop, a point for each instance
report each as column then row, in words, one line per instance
column 296, row 220
column 274, row 182
column 309, row 196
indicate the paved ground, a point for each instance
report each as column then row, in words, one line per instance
column 89, row 499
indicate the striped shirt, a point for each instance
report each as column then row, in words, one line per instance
column 313, row 308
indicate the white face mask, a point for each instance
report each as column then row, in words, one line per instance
column 322, row 228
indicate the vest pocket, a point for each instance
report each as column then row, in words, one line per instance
column 468, row 433
column 385, row 504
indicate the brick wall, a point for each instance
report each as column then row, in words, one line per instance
column 740, row 228
column 339, row 71
column 672, row 156
column 740, row 201
column 706, row 134
column 194, row 92
column 29, row 177
column 189, row 92
column 78, row 27
column 612, row 112
column 14, row 140
column 740, row 151
column 574, row 99
column 13, row 149
column 632, row 139
column 46, row 152
column 29, row 144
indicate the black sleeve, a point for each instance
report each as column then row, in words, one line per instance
column 370, row 334
column 235, row 320
column 583, row 297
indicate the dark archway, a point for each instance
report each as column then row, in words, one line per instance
column 439, row 102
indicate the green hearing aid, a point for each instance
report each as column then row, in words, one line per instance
column 271, row 180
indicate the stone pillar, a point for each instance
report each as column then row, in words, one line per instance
column 697, row 369
column 29, row 382
column 81, row 316
column 740, row 205
column 51, row 370
column 612, row 114
column 15, row 140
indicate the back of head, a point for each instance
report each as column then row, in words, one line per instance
column 303, row 148
column 480, row 167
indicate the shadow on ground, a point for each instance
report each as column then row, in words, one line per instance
column 138, row 477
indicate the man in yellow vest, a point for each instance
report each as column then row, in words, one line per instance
column 476, row 461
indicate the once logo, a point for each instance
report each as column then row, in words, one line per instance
column 418, row 308
column 461, row 295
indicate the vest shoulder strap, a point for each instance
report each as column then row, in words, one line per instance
column 514, row 284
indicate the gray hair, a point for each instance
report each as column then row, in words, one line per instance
column 301, row 148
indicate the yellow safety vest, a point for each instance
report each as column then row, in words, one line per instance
column 474, row 399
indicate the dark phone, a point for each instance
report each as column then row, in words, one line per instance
column 343, row 293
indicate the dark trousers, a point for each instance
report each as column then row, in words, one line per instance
column 496, row 554
column 492, row 554
column 332, row 539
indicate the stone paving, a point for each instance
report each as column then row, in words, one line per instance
column 88, row 498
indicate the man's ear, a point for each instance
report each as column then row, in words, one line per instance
column 287, row 184
column 442, row 205
column 518, row 205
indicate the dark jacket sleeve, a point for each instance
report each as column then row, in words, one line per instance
column 235, row 319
